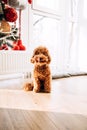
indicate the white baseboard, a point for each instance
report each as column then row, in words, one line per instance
column 15, row 76
column 11, row 76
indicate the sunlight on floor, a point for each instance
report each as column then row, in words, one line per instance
column 63, row 98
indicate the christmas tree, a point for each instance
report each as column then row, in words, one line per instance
column 9, row 37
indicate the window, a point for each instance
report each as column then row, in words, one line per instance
column 48, row 6
column 46, row 32
column 55, row 26
column 47, row 29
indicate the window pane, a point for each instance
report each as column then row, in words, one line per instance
column 46, row 31
column 50, row 4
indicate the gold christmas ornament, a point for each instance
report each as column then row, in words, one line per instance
column 4, row 26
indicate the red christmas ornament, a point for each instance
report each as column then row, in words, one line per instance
column 22, row 47
column 16, row 47
column 0, row 48
column 10, row 14
column 30, row 1
column 15, row 43
column 6, row 48
column 19, row 42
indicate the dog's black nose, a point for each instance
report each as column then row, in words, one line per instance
column 41, row 59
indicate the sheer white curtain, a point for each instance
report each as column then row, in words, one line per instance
column 83, row 35
column 71, row 37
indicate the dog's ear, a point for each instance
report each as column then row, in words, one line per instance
column 33, row 56
column 32, row 60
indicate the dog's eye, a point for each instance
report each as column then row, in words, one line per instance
column 45, row 53
column 36, row 53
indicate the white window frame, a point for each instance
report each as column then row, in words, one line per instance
column 33, row 9
column 46, row 10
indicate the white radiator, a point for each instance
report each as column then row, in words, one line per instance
column 14, row 62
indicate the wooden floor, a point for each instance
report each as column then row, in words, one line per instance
column 65, row 108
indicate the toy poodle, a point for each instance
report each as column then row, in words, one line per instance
column 41, row 73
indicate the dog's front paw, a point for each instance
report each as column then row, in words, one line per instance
column 47, row 91
column 36, row 90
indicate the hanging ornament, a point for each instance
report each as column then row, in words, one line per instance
column 10, row 14
column 30, row 1
column 4, row 26
column 4, row 46
column 18, row 4
column 15, row 47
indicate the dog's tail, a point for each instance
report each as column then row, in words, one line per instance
column 28, row 86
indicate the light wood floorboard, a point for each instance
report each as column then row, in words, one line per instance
column 65, row 108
